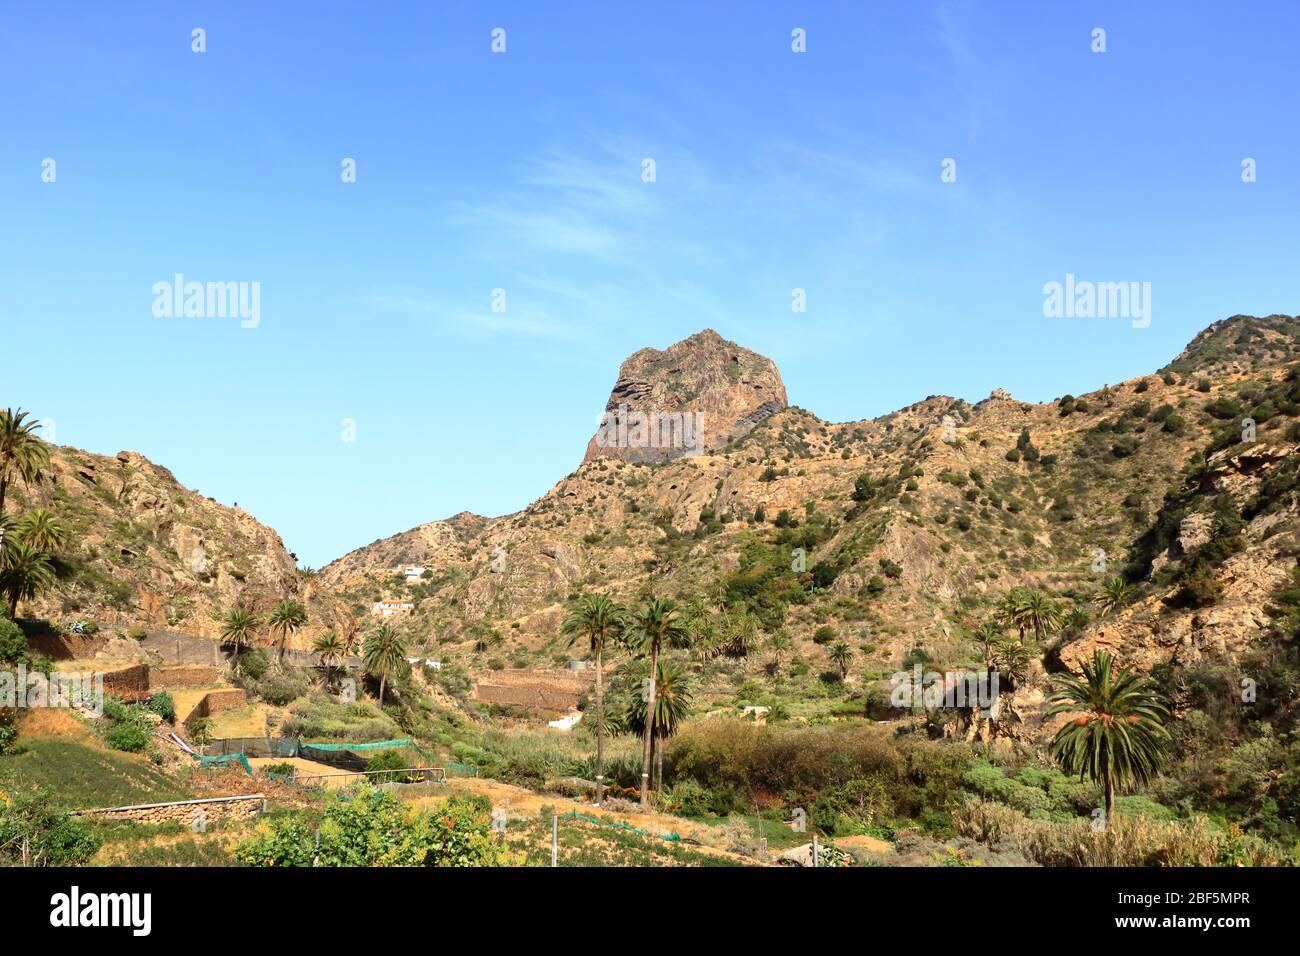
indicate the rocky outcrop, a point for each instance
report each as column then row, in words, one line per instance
column 696, row 396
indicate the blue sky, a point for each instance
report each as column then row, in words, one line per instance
column 522, row 171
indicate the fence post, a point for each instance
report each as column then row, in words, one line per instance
column 555, row 839
column 815, row 860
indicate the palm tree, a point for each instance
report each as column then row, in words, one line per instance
column 1113, row 594
column 598, row 619
column 1010, row 659
column 285, row 619
column 1116, row 734
column 988, row 634
column 1041, row 613
column 42, row 531
column 25, row 572
column 654, row 625
column 672, row 704
column 22, row 454
column 239, row 628
column 330, row 649
column 841, row 654
column 1027, row 610
column 779, row 641
column 383, row 655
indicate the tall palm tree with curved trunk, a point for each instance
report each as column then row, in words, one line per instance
column 285, row 618
column 25, row 573
column 599, row 620
column 22, row 454
column 1116, row 734
column 42, row 531
column 238, row 629
column 654, row 625
column 383, row 656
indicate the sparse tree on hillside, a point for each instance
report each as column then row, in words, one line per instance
column 779, row 642
column 840, row 654
column 1113, row 594
column 600, row 621
column 25, row 573
column 22, row 454
column 383, row 656
column 1115, row 735
column 988, row 634
column 238, row 629
column 1027, row 610
column 655, row 625
column 42, row 531
column 285, row 619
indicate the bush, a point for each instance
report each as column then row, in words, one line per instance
column 8, row 729
column 163, row 705
column 374, row 828
column 13, row 645
column 280, row 688
column 253, row 663
column 31, row 824
column 387, row 760
column 129, row 735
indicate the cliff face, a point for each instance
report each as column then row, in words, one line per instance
column 696, row 396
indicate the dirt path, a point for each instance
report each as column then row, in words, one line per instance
column 520, row 803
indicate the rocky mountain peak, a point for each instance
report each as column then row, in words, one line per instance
column 693, row 397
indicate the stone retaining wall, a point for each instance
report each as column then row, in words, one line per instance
column 214, row 702
column 165, row 678
column 187, row 812
column 129, row 682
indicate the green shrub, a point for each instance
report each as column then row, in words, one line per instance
column 163, row 705
column 34, row 831
column 131, row 735
column 253, row 663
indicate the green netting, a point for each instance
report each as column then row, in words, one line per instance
column 575, row 815
column 456, row 766
column 221, row 761
column 377, row 745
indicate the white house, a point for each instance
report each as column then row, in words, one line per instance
column 412, row 571
column 389, row 608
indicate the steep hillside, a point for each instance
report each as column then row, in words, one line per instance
column 898, row 534
column 145, row 550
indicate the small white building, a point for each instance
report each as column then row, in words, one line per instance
column 389, row 608
column 412, row 571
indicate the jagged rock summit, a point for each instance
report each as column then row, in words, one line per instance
column 693, row 397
